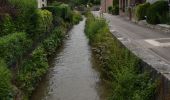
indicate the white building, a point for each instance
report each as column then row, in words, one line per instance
column 42, row 3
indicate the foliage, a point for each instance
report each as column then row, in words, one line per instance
column 110, row 9
column 31, row 71
column 26, row 8
column 76, row 17
column 5, row 82
column 116, row 10
column 141, row 11
column 12, row 46
column 157, row 11
column 6, row 26
column 118, row 65
column 115, row 2
column 42, row 22
column 52, row 42
column 61, row 10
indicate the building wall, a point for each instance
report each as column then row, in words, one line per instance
column 105, row 4
column 42, row 3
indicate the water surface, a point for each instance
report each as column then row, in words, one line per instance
column 71, row 75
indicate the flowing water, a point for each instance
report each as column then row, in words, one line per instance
column 72, row 74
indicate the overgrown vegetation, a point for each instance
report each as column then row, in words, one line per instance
column 141, row 11
column 31, row 71
column 13, row 46
column 27, row 36
column 5, row 82
column 54, row 41
column 118, row 65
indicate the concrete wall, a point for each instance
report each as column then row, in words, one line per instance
column 105, row 4
column 42, row 3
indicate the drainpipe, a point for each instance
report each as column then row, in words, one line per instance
column 105, row 7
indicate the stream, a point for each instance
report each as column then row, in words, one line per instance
column 73, row 73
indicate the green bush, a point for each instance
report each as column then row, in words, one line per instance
column 5, row 82
column 93, row 25
column 12, row 46
column 116, row 10
column 62, row 10
column 110, row 9
column 6, row 26
column 25, row 10
column 42, row 23
column 141, row 11
column 52, row 42
column 157, row 12
column 118, row 65
column 31, row 71
column 76, row 17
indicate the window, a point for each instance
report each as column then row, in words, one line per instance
column 42, row 0
column 43, row 5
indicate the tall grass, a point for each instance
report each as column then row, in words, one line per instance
column 5, row 82
column 119, row 66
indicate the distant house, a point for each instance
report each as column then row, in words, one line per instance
column 105, row 4
column 42, row 3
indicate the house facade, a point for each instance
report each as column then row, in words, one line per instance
column 42, row 3
column 105, row 4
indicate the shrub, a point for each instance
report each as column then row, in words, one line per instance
column 42, row 23
column 76, row 17
column 116, row 10
column 5, row 82
column 93, row 25
column 115, row 2
column 52, row 42
column 141, row 11
column 25, row 10
column 110, row 9
column 31, row 71
column 6, row 26
column 157, row 11
column 62, row 10
column 12, row 46
column 118, row 65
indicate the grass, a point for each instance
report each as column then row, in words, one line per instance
column 119, row 66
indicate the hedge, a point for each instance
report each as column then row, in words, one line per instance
column 157, row 12
column 31, row 71
column 141, row 11
column 5, row 82
column 13, row 46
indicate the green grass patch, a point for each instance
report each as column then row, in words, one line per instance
column 118, row 65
